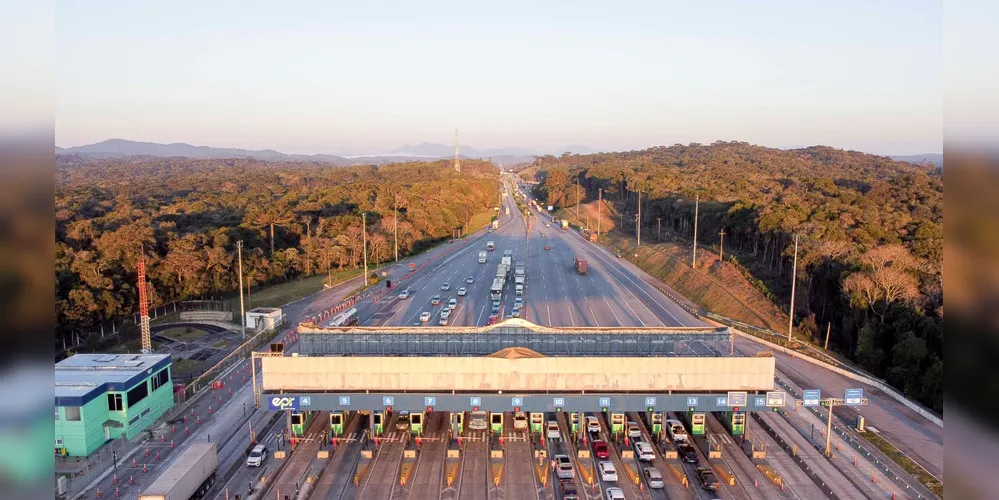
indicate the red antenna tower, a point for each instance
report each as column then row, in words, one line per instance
column 147, row 345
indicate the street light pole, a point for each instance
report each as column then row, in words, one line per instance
column 364, row 244
column 396, row 227
column 600, row 201
column 577, row 199
column 242, row 314
column 638, row 222
column 659, row 229
column 721, row 247
column 830, row 403
column 794, row 273
column 697, row 205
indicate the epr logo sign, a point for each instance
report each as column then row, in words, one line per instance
column 278, row 403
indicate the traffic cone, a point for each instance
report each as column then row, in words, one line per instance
column 98, row 493
column 171, row 446
column 134, row 464
column 756, row 483
column 114, row 479
column 144, row 468
column 157, row 456
column 147, row 452
column 117, row 493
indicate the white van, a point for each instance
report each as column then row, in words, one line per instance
column 676, row 431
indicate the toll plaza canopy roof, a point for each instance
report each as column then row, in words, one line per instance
column 514, row 332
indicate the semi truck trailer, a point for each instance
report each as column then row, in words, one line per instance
column 482, row 256
column 188, row 477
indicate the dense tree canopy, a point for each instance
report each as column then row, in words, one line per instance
column 871, row 236
column 186, row 216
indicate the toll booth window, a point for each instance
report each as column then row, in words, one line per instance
column 497, row 418
column 296, row 419
column 416, row 418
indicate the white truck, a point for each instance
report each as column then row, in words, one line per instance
column 482, row 256
column 520, row 270
column 507, row 261
column 519, row 285
column 188, row 477
column 501, row 272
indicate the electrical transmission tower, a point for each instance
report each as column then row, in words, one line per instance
column 147, row 345
column 457, row 157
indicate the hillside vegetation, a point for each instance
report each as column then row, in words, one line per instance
column 186, row 215
column 870, row 237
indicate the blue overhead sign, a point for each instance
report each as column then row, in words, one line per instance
column 344, row 400
column 305, row 401
column 604, row 402
column 475, row 401
column 558, row 402
column 760, row 401
column 430, row 401
column 721, row 401
column 650, row 401
column 811, row 397
column 738, row 398
column 691, row 401
column 388, row 401
column 853, row 396
column 283, row 403
column 517, row 401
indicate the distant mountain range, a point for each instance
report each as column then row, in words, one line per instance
column 423, row 151
column 931, row 158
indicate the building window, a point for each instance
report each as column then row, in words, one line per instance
column 115, row 402
column 57, row 413
column 138, row 393
column 72, row 413
column 160, row 379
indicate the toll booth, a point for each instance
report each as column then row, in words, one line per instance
column 300, row 421
column 738, row 423
column 496, row 422
column 617, row 423
column 655, row 422
column 337, row 420
column 574, row 423
column 697, row 420
column 378, row 422
column 458, row 421
column 537, row 421
column 416, row 422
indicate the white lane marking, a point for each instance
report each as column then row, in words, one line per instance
column 619, row 323
column 479, row 319
column 570, row 316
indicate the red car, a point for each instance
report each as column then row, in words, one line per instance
column 492, row 319
column 600, row 449
column 548, row 247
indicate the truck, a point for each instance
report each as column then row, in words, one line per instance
column 520, row 270
column 518, row 285
column 589, row 235
column 507, row 260
column 482, row 256
column 190, row 476
column 508, row 253
column 501, row 271
column 508, row 210
column 496, row 291
column 490, row 245
column 580, row 265
column 565, row 224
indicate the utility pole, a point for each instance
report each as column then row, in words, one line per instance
column 659, row 233
column 457, row 156
column 364, row 244
column 242, row 314
column 697, row 205
column 828, row 329
column 396, row 228
column 721, row 246
column 600, row 201
column 794, row 275
column 577, row 199
column 638, row 221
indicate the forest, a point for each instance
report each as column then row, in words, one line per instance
column 187, row 215
column 870, row 237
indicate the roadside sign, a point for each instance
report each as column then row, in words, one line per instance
column 853, row 396
column 430, row 401
column 475, row 401
column 736, row 398
column 776, row 398
column 811, row 397
column 691, row 401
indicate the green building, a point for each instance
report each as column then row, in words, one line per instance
column 100, row 397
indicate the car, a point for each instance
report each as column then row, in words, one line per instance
column 444, row 316
column 462, row 291
column 495, row 309
column 568, row 490
column 453, row 303
column 615, row 494
column 470, row 280
column 677, row 433
column 548, row 224
column 543, row 235
column 436, row 299
column 707, row 478
column 402, row 423
column 478, row 420
column 257, row 456
column 519, row 420
column 634, row 431
column 607, row 471
column 518, row 302
column 552, row 431
column 687, row 453
column 515, row 312
column 446, row 286
column 592, row 425
column 492, row 319
column 547, row 247
column 653, row 477
column 600, row 449
column 644, row 451
column 404, row 294
column 563, row 467
column 425, row 316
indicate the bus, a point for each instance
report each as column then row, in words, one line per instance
column 346, row 318
column 496, row 291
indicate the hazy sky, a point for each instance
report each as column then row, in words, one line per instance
column 334, row 76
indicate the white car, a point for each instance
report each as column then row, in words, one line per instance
column 404, row 294
column 634, row 431
column 615, row 494
column 551, row 430
column 607, row 471
column 444, row 317
column 436, row 299
column 644, row 451
column 470, row 280
column 425, row 316
column 515, row 312
column 257, row 456
column 592, row 425
column 451, row 304
column 653, row 477
column 677, row 433
column 520, row 420
column 446, row 286
column 462, row 292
